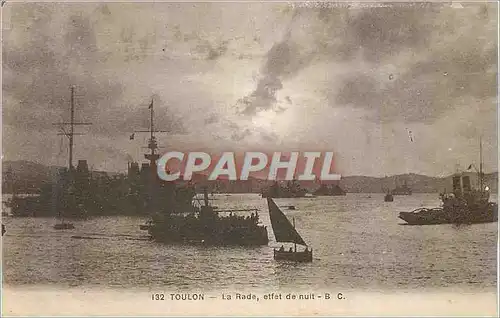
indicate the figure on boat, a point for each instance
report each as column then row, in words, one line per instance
column 285, row 232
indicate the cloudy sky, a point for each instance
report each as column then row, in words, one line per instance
column 390, row 89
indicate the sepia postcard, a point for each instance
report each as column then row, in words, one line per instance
column 249, row 158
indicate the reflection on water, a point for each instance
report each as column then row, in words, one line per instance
column 358, row 242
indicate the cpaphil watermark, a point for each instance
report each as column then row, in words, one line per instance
column 253, row 162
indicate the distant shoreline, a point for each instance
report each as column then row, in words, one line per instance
column 30, row 176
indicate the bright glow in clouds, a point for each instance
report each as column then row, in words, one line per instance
column 200, row 161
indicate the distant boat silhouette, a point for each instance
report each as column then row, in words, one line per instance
column 285, row 232
column 402, row 190
column 291, row 190
column 332, row 190
column 388, row 197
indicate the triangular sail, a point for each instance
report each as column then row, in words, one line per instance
column 282, row 228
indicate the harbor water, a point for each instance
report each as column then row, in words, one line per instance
column 357, row 239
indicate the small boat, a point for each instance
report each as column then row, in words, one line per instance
column 465, row 205
column 285, row 232
column 64, row 226
column 3, row 229
column 388, row 197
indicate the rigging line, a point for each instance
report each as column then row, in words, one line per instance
column 61, row 143
column 60, row 147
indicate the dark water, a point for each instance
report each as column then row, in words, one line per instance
column 358, row 243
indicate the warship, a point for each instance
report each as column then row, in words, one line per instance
column 175, row 216
column 78, row 192
column 464, row 206
column 332, row 190
column 388, row 197
column 291, row 190
column 402, row 190
column 67, row 195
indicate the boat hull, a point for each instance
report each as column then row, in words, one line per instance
column 291, row 256
column 215, row 236
column 488, row 214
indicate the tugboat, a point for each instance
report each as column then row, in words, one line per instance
column 464, row 206
column 291, row 190
column 332, row 190
column 285, row 232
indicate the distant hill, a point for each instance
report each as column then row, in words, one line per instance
column 418, row 183
column 28, row 176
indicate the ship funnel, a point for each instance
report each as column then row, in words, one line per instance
column 457, row 186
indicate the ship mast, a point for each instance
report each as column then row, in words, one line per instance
column 152, row 144
column 71, row 133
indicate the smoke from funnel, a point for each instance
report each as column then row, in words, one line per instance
column 282, row 61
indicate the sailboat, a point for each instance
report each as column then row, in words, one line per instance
column 285, row 232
